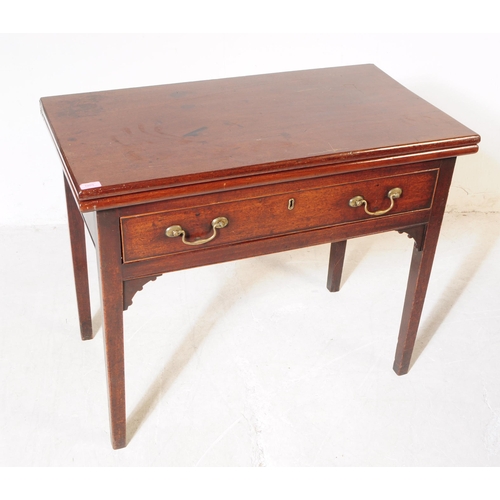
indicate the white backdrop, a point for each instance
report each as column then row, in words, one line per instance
column 456, row 72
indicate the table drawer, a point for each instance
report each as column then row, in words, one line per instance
column 144, row 236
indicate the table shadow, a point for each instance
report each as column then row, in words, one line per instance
column 249, row 278
column 180, row 358
column 96, row 322
column 454, row 289
column 201, row 330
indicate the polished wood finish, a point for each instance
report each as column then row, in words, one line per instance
column 109, row 257
column 335, row 265
column 420, row 271
column 212, row 135
column 80, row 269
column 254, row 216
column 280, row 156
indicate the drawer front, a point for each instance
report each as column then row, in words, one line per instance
column 144, row 235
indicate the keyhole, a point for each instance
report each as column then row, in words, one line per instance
column 291, row 204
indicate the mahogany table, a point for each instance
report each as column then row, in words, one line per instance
column 176, row 176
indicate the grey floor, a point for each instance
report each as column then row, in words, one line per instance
column 255, row 363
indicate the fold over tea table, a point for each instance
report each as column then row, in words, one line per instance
column 176, row 176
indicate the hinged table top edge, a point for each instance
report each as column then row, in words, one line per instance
column 128, row 141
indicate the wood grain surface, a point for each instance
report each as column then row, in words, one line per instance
column 132, row 140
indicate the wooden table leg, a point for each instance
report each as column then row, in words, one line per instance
column 420, row 270
column 335, row 265
column 109, row 255
column 79, row 254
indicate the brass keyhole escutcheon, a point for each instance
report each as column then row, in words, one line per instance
column 291, row 203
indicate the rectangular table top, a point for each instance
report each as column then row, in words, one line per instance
column 126, row 141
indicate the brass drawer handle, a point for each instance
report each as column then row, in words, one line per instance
column 393, row 194
column 217, row 223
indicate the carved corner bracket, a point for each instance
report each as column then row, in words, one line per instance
column 417, row 233
column 131, row 287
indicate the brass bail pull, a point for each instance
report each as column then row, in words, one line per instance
column 217, row 223
column 393, row 194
